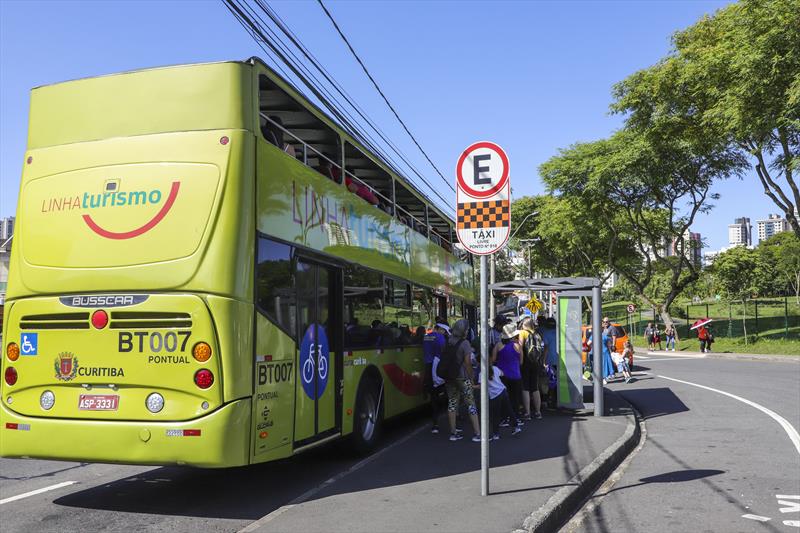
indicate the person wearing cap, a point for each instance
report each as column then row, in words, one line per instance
column 432, row 346
column 507, row 355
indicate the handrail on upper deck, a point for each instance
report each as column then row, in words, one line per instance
column 389, row 201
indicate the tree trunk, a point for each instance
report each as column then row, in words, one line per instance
column 665, row 316
column 744, row 319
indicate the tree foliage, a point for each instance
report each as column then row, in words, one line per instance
column 736, row 77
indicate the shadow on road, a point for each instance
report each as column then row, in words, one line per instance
column 251, row 492
column 658, row 402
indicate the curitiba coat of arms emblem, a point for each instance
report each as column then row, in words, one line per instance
column 66, row 366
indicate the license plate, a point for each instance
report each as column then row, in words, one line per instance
column 98, row 402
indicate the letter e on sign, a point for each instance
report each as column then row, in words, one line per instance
column 483, row 208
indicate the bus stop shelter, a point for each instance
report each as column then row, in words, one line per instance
column 575, row 287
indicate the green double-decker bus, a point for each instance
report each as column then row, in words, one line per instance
column 208, row 270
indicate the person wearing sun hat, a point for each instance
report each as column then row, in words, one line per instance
column 507, row 356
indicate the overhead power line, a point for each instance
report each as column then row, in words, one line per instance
column 341, row 34
column 266, row 38
column 343, row 93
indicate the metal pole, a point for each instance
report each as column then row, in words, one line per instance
column 484, row 330
column 597, row 350
column 786, row 316
column 491, row 293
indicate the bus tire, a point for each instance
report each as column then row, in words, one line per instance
column 368, row 416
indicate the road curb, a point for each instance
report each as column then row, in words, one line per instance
column 564, row 503
column 792, row 358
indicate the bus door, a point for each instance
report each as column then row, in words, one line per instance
column 319, row 359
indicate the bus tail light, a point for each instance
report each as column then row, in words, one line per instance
column 11, row 375
column 99, row 319
column 203, row 378
column 12, row 351
column 201, row 352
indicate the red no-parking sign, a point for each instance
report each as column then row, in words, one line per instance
column 483, row 211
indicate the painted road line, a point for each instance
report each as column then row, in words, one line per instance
column 310, row 493
column 756, row 517
column 787, row 427
column 37, row 491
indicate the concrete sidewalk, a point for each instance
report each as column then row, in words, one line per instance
column 427, row 483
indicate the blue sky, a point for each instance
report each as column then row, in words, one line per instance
column 531, row 76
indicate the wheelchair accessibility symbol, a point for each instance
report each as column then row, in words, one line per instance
column 29, row 344
column 314, row 360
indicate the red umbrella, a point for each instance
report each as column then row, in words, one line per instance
column 700, row 322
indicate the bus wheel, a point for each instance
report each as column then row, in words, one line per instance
column 367, row 422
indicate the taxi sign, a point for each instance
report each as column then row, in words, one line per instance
column 483, row 210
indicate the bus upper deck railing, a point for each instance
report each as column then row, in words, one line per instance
column 384, row 202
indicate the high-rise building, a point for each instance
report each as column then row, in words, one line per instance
column 740, row 232
column 692, row 247
column 6, row 233
column 770, row 226
column 6, row 228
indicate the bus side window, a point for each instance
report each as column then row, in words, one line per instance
column 275, row 295
column 363, row 306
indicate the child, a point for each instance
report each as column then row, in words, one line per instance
column 622, row 363
column 499, row 403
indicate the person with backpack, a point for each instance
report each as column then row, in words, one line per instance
column 455, row 369
column 532, row 369
column 507, row 355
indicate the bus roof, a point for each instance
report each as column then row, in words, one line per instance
column 68, row 112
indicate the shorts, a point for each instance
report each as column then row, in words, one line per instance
column 460, row 390
column 622, row 366
column 530, row 378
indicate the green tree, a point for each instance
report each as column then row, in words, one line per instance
column 782, row 251
column 737, row 75
column 741, row 273
column 641, row 190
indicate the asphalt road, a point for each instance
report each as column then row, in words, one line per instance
column 709, row 461
column 104, row 497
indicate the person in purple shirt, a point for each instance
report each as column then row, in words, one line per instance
column 432, row 347
column 507, row 356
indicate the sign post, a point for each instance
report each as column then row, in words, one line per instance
column 483, row 223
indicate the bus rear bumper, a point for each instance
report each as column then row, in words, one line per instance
column 219, row 439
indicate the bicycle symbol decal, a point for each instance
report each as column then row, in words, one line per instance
column 314, row 357
column 29, row 344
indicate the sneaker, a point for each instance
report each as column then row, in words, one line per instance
column 605, row 382
column 538, row 416
column 520, row 423
column 435, row 430
column 459, row 431
column 475, row 438
column 517, row 430
column 455, row 436
column 627, row 380
column 505, row 423
column 495, row 436
column 526, row 417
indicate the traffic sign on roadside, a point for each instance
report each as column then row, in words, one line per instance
column 631, row 308
column 483, row 211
